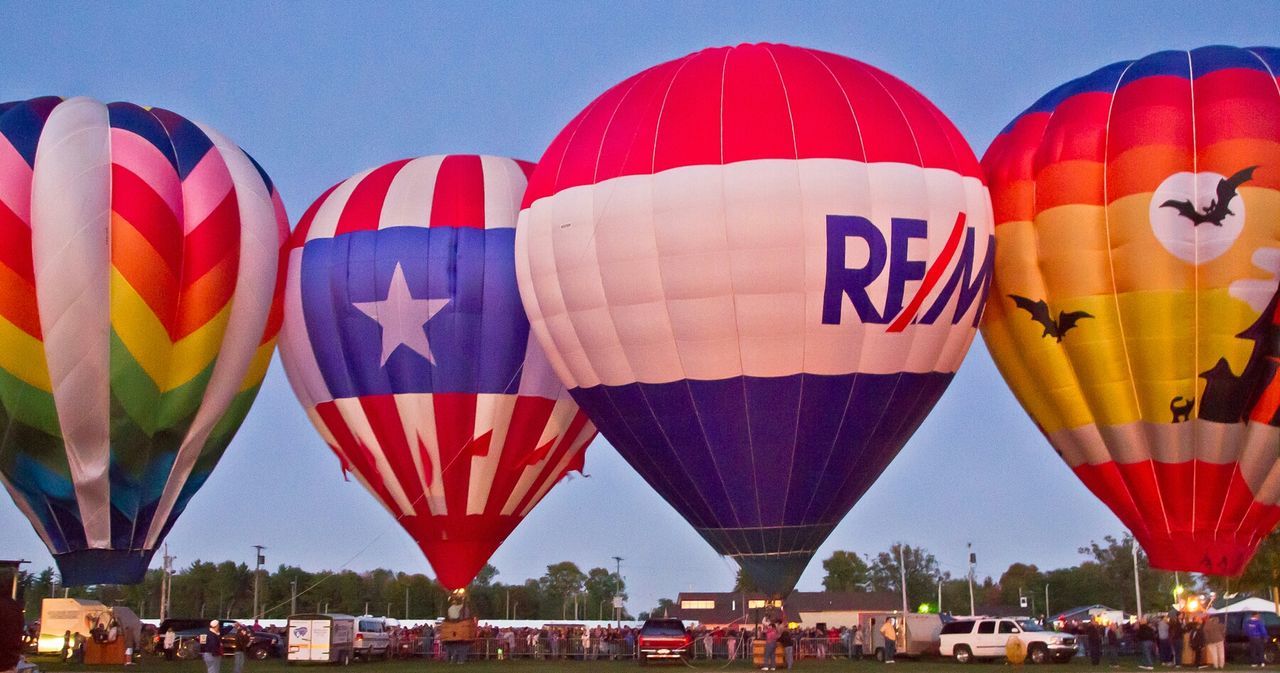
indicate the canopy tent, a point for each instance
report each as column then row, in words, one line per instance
column 1248, row 605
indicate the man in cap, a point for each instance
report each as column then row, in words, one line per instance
column 211, row 647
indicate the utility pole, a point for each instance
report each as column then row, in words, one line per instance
column 939, row 595
column 508, row 604
column 406, row 602
column 293, row 599
column 257, row 575
column 1137, row 587
column 902, row 575
column 166, row 583
column 972, row 560
column 617, row 609
column 1046, row 601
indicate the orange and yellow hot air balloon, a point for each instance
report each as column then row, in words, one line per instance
column 1133, row 309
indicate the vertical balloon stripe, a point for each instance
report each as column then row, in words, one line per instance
column 406, row 203
column 254, row 287
column 70, row 215
column 459, row 193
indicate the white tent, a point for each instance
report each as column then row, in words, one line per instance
column 1248, row 605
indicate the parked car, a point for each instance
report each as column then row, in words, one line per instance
column 373, row 638
column 663, row 639
column 188, row 631
column 1238, row 643
column 970, row 639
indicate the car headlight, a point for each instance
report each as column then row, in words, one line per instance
column 1055, row 640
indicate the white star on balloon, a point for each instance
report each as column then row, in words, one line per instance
column 403, row 318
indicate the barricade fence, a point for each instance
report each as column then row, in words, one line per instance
column 571, row 648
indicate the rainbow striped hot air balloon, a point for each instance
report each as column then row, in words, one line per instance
column 139, row 278
column 1133, row 310
column 405, row 340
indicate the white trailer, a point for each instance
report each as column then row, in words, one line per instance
column 321, row 638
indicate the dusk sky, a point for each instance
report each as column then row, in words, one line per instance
column 319, row 91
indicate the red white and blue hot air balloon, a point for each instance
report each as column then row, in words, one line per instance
column 757, row 268
column 405, row 340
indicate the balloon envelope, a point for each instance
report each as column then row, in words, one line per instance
column 139, row 257
column 1141, row 205
column 757, row 268
column 405, row 341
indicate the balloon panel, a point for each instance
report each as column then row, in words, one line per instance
column 138, row 316
column 405, row 340
column 1138, row 214
column 757, row 268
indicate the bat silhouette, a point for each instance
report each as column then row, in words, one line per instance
column 1039, row 311
column 1220, row 207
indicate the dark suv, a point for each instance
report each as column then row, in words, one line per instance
column 663, row 639
column 188, row 632
column 1238, row 644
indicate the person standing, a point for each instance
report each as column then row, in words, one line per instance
column 788, row 643
column 890, row 632
column 1162, row 638
column 856, row 652
column 1215, row 636
column 1112, row 644
column 1176, row 644
column 1093, row 640
column 244, row 640
column 169, row 643
column 731, row 643
column 1146, row 645
column 770, row 648
column 12, row 625
column 211, row 648
column 1256, row 632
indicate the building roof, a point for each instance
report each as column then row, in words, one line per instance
column 731, row 608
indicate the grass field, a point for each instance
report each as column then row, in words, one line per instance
column 151, row 665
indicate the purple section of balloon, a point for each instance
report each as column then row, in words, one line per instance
column 764, row 466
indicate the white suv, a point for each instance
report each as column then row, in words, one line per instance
column 969, row 639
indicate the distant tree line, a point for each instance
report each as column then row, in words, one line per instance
column 207, row 590
column 1105, row 576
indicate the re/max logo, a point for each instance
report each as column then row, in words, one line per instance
column 970, row 280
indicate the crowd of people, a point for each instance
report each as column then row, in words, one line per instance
column 1193, row 640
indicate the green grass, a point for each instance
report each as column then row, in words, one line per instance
column 155, row 665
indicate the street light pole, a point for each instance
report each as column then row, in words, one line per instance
column 902, row 574
column 293, row 599
column 972, row 559
column 1137, row 587
column 617, row 609
column 257, row 574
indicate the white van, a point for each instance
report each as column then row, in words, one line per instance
column 321, row 638
column 373, row 637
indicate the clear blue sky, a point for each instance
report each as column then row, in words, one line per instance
column 319, row 91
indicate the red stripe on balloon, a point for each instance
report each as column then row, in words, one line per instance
column 364, row 207
column 458, row 197
column 931, row 277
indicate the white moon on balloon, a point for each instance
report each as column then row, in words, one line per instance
column 1192, row 243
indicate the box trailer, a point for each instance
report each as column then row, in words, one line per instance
column 321, row 638
column 918, row 635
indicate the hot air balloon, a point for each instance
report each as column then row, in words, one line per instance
column 757, row 268
column 1133, row 309
column 405, row 340
column 139, row 264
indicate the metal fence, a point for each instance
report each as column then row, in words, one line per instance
column 571, row 648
